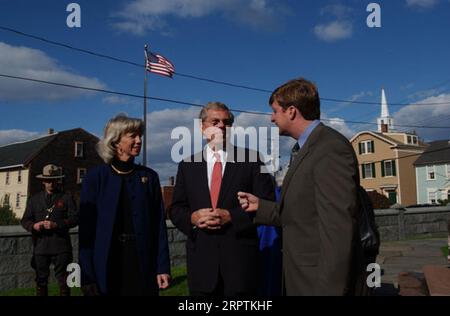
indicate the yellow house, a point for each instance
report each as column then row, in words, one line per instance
column 386, row 163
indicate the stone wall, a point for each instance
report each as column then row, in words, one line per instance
column 399, row 224
column 16, row 248
column 15, row 258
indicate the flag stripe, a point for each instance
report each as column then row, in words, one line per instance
column 159, row 65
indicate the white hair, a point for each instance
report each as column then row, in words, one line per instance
column 114, row 130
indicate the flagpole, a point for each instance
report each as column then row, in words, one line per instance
column 144, row 154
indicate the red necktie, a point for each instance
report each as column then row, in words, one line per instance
column 216, row 181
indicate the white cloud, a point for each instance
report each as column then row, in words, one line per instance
column 251, row 120
column 161, row 123
column 32, row 63
column 340, row 11
column 16, row 135
column 140, row 16
column 121, row 100
column 427, row 93
column 164, row 170
column 353, row 98
column 360, row 95
column 340, row 125
column 339, row 27
column 421, row 114
column 334, row 31
column 421, row 3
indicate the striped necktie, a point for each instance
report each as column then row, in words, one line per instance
column 294, row 152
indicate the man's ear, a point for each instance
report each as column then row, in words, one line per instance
column 292, row 111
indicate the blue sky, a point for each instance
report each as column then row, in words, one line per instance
column 258, row 43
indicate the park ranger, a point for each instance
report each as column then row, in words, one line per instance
column 48, row 216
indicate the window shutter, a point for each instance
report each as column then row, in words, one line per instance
column 373, row 170
column 373, row 146
column 363, row 173
column 382, row 169
column 394, row 173
column 359, row 146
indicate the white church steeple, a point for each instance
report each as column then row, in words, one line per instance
column 385, row 118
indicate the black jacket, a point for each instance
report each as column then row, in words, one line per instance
column 232, row 249
column 64, row 213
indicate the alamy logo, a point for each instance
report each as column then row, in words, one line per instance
column 374, row 278
column 74, row 277
column 257, row 139
column 74, row 18
column 374, row 18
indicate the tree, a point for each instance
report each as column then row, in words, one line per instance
column 7, row 216
column 379, row 200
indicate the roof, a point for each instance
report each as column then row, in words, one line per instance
column 375, row 134
column 21, row 153
column 392, row 141
column 438, row 152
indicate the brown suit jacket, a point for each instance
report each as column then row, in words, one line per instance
column 317, row 213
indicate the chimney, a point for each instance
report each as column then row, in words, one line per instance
column 171, row 181
column 384, row 128
column 51, row 131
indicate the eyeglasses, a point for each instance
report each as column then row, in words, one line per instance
column 215, row 122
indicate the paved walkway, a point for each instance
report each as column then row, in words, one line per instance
column 407, row 256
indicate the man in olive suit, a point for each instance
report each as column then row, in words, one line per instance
column 318, row 206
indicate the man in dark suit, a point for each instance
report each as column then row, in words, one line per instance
column 318, row 206
column 48, row 216
column 222, row 244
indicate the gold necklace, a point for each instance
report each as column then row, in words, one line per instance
column 121, row 172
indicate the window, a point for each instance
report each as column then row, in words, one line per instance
column 368, row 170
column 431, row 173
column 411, row 139
column 79, row 149
column 19, row 176
column 81, row 172
column 6, row 200
column 7, row 178
column 392, row 196
column 366, row 147
column 447, row 166
column 18, row 200
column 388, row 168
column 432, row 196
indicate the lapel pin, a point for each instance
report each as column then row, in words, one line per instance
column 144, row 180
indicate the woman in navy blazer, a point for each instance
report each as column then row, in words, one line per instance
column 122, row 230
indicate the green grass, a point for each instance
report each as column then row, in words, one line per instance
column 53, row 290
column 427, row 236
column 445, row 251
column 178, row 287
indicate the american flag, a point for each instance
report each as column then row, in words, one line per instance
column 159, row 64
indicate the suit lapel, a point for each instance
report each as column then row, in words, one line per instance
column 200, row 172
column 293, row 167
column 228, row 175
column 300, row 157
